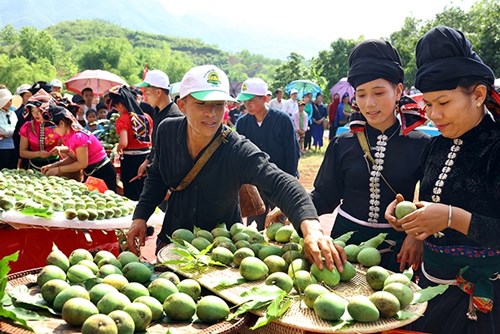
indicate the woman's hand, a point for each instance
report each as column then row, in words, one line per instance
column 389, row 213
column 411, row 253
column 53, row 171
column 44, row 154
column 429, row 218
column 45, row 168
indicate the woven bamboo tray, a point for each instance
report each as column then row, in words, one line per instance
column 299, row 318
column 59, row 326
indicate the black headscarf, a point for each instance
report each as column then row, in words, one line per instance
column 444, row 56
column 374, row 59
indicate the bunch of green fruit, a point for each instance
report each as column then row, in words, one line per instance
column 108, row 294
column 31, row 190
column 110, row 136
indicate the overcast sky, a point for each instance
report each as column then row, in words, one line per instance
column 314, row 24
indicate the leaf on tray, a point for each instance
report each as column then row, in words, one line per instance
column 21, row 295
column 274, row 308
column 262, row 321
column 5, row 313
column 25, row 314
column 262, row 293
column 409, row 273
column 248, row 306
column 38, row 212
column 428, row 293
column 229, row 283
column 344, row 321
column 403, row 315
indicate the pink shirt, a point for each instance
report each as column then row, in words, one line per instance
column 31, row 131
column 74, row 140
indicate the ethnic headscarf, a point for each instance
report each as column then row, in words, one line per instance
column 58, row 113
column 140, row 124
column 444, row 57
column 377, row 59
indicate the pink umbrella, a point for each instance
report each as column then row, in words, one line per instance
column 341, row 87
column 98, row 80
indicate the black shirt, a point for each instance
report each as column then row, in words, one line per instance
column 212, row 197
column 171, row 110
column 275, row 136
column 345, row 174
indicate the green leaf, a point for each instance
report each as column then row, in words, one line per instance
column 4, row 270
column 183, row 252
column 262, row 293
column 403, row 315
column 4, row 313
column 207, row 249
column 274, row 307
column 216, row 263
column 285, row 305
column 248, row 306
column 25, row 314
column 339, row 324
column 262, row 321
column 224, row 284
column 38, row 212
column 6, row 300
column 428, row 293
column 408, row 273
column 21, row 295
column 196, row 229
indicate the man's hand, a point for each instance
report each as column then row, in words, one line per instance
column 273, row 216
column 142, row 170
column 136, row 236
column 317, row 246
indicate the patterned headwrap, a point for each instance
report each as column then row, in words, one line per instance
column 40, row 99
column 140, row 125
column 58, row 113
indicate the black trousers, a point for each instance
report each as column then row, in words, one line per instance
column 129, row 166
column 107, row 173
column 8, row 158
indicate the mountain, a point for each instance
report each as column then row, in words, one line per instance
column 144, row 15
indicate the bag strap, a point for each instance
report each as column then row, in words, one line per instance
column 363, row 142
column 202, row 160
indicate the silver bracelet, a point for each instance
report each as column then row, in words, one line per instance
column 450, row 215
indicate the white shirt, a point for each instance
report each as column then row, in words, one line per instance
column 275, row 104
column 290, row 107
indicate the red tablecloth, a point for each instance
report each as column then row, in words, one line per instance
column 34, row 244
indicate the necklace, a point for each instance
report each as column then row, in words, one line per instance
column 437, row 190
column 376, row 174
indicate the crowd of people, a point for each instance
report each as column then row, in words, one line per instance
column 192, row 154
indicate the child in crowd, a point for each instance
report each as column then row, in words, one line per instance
column 301, row 124
column 92, row 124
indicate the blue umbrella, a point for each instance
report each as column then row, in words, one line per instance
column 303, row 87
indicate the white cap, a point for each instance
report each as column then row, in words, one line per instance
column 205, row 83
column 155, row 78
column 252, row 87
column 56, row 83
column 5, row 97
column 294, row 91
column 24, row 88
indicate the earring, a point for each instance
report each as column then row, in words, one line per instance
column 478, row 104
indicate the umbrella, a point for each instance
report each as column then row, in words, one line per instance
column 303, row 87
column 341, row 87
column 100, row 81
column 174, row 89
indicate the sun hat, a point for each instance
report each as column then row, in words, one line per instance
column 24, row 88
column 5, row 97
column 205, row 83
column 155, row 78
column 252, row 87
column 56, row 83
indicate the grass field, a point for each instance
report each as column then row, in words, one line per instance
column 309, row 165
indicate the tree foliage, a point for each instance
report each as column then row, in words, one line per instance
column 64, row 49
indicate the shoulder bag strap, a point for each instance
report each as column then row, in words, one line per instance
column 202, row 160
column 364, row 146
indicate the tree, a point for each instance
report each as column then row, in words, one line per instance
column 291, row 70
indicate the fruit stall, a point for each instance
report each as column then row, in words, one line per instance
column 37, row 211
column 232, row 279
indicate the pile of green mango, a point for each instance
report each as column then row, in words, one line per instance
column 29, row 192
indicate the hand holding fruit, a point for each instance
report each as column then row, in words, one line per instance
column 275, row 215
column 317, row 246
column 44, row 154
column 137, row 232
